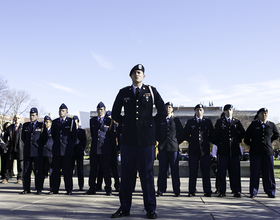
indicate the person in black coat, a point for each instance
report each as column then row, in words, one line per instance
column 169, row 134
column 102, row 139
column 34, row 137
column 4, row 150
column 79, row 149
column 198, row 133
column 47, row 150
column 228, row 135
column 138, row 139
column 15, row 149
column 64, row 135
column 259, row 136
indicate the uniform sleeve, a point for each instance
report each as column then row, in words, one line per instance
column 84, row 138
column 241, row 131
column 44, row 134
column 161, row 110
column 117, row 107
column 248, row 135
column 23, row 136
column 74, row 130
column 179, row 131
column 187, row 132
column 216, row 133
column 276, row 134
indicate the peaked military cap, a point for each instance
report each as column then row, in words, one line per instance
column 262, row 110
column 100, row 105
column 75, row 117
column 137, row 67
column 108, row 113
column 63, row 106
column 227, row 107
column 33, row 110
column 169, row 103
column 198, row 106
column 47, row 118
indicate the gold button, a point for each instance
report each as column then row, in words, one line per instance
column 137, row 100
column 137, row 106
column 136, row 118
column 136, row 112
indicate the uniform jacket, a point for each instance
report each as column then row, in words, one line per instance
column 47, row 150
column 15, row 144
column 81, row 142
column 102, row 136
column 169, row 134
column 34, row 139
column 228, row 136
column 199, row 136
column 138, row 123
column 260, row 139
column 64, row 136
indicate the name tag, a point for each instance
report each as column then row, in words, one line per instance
column 38, row 129
column 193, row 126
column 67, row 126
column 258, row 127
column 126, row 99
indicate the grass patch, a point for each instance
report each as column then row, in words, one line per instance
column 277, row 168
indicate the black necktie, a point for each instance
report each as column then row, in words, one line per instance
column 32, row 126
column 137, row 93
column 199, row 121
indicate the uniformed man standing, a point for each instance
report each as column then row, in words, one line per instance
column 228, row 135
column 34, row 137
column 102, row 138
column 198, row 133
column 79, row 148
column 47, row 151
column 138, row 139
column 259, row 136
column 64, row 134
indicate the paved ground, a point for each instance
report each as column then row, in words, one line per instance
column 14, row 206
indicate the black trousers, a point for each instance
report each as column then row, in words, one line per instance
column 38, row 172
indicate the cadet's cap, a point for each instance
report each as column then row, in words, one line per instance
column 227, row 107
column 137, row 67
column 63, row 106
column 101, row 105
column 33, row 110
column 169, row 103
column 262, row 110
column 108, row 113
column 47, row 118
column 75, row 117
column 198, row 106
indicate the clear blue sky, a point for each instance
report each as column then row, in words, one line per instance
column 81, row 52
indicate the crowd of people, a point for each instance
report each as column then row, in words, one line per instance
column 53, row 147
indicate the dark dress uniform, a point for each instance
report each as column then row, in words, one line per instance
column 34, row 137
column 15, row 150
column 198, row 134
column 64, row 135
column 138, row 141
column 102, row 140
column 228, row 136
column 47, row 155
column 79, row 148
column 169, row 135
column 259, row 137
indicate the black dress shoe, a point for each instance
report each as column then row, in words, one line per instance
column 68, row 193
column 159, row 194
column 98, row 188
column 81, row 189
column 177, row 195
column 39, row 192
column 271, row 196
column 191, row 194
column 221, row 195
column 25, row 192
column 252, row 196
column 151, row 215
column 216, row 192
column 108, row 193
column 90, row 192
column 53, row 192
column 117, row 189
column 208, row 194
column 120, row 214
column 237, row 194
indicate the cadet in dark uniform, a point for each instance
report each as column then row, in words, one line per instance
column 138, row 139
column 169, row 135
column 102, row 139
column 15, row 149
column 228, row 135
column 47, row 150
column 34, row 137
column 259, row 136
column 79, row 148
column 198, row 133
column 64, row 136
